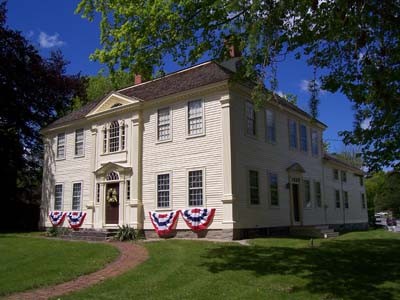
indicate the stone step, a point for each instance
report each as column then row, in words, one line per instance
column 330, row 235
column 89, row 235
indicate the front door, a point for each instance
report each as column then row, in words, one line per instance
column 296, row 204
column 112, row 203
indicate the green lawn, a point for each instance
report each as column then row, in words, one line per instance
column 28, row 262
column 362, row 265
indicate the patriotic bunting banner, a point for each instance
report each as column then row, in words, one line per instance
column 76, row 218
column 198, row 218
column 164, row 223
column 56, row 217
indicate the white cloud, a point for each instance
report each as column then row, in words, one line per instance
column 366, row 124
column 304, row 86
column 280, row 93
column 49, row 41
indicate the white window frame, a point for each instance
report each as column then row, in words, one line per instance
column 169, row 124
column 253, row 133
column 337, row 192
column 301, row 138
column 250, row 186
column 80, row 198
column 121, row 138
column 310, row 206
column 169, row 173
column 270, row 139
column 204, row 204
column 296, row 146
column 346, row 203
column 64, row 145
column 203, row 128
column 76, row 142
column 315, row 144
column 269, row 174
column 62, row 196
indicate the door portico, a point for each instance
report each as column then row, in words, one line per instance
column 295, row 176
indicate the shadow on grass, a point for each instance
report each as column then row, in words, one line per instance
column 349, row 269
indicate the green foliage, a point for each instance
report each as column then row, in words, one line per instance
column 125, row 233
column 56, row 231
column 355, row 44
column 32, row 262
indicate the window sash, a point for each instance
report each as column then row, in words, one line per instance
column 307, row 194
column 58, row 196
column 76, row 196
column 270, row 130
column 163, row 124
column 314, row 142
column 292, row 134
column 195, row 117
column 318, row 199
column 195, row 187
column 337, row 199
column 105, row 140
column 163, row 190
column 346, row 199
column 61, row 145
column 250, row 119
column 128, row 190
column 273, row 189
column 79, row 139
column 113, row 137
column 254, row 187
column 303, row 138
column 98, row 192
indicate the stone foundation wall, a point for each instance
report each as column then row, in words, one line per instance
column 220, row 234
column 350, row 227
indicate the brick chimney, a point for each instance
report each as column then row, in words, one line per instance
column 138, row 79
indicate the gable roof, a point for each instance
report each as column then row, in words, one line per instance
column 333, row 159
column 176, row 82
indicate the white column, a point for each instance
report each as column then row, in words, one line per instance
column 92, row 191
column 228, row 197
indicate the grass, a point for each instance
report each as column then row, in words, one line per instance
column 360, row 265
column 28, row 262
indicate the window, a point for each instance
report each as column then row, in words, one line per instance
column 114, row 137
column 361, row 181
column 346, row 199
column 250, row 119
column 61, row 145
column 314, row 142
column 292, row 134
column 273, row 189
column 195, row 117
column 79, row 136
column 344, row 176
column 163, row 190
column 363, row 203
column 307, row 194
column 336, row 174
column 317, row 189
column 76, row 196
column 128, row 190
column 58, row 196
column 303, row 138
column 337, row 198
column 253, row 180
column 270, row 130
column 98, row 193
column 196, row 188
column 163, row 124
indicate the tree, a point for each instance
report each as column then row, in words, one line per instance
column 99, row 85
column 34, row 92
column 351, row 154
column 355, row 45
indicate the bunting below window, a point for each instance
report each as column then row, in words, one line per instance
column 198, row 218
column 76, row 218
column 56, row 217
column 164, row 223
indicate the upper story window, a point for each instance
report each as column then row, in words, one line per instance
column 336, row 174
column 303, row 138
column 79, row 137
column 250, row 119
column 195, row 117
column 292, row 134
column 61, row 145
column 270, row 126
column 254, row 190
column 314, row 142
column 163, row 124
column 58, row 196
column 76, row 196
column 344, row 176
column 114, row 137
column 273, row 189
column 196, row 188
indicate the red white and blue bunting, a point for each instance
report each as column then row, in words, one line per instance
column 76, row 218
column 56, row 217
column 198, row 218
column 164, row 223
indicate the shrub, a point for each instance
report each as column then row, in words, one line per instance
column 125, row 233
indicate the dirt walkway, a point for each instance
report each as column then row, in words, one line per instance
column 131, row 255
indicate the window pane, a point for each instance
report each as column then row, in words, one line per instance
column 273, row 186
column 307, row 194
column 254, row 193
column 337, row 198
column 303, row 138
column 123, row 136
column 128, row 190
column 113, row 137
column 163, row 121
column 346, row 199
column 195, row 117
column 76, row 196
column 61, row 145
column 363, row 204
column 344, row 176
column 336, row 174
column 317, row 186
column 58, row 194
column 196, row 188
column 98, row 193
column 79, row 136
column 292, row 134
column 251, row 119
column 270, row 126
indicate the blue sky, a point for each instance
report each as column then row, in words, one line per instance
column 52, row 24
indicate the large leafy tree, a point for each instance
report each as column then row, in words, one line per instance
column 34, row 91
column 353, row 44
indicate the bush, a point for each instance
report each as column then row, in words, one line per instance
column 56, row 231
column 125, row 233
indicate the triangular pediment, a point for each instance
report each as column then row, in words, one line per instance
column 296, row 168
column 112, row 101
column 110, row 167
